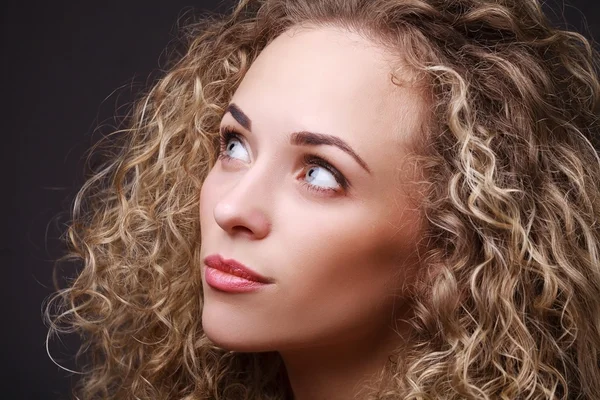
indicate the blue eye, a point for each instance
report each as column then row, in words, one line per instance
column 319, row 176
column 232, row 146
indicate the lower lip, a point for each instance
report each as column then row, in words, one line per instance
column 225, row 282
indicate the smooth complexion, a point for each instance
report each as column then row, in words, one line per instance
column 327, row 214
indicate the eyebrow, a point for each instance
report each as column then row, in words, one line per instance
column 302, row 138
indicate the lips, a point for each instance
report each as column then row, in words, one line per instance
column 232, row 267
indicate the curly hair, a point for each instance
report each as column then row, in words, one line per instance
column 508, row 306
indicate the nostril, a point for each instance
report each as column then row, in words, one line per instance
column 240, row 229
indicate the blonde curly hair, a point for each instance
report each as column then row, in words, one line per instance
column 512, row 202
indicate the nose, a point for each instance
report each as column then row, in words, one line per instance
column 241, row 209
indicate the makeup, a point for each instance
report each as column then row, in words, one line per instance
column 228, row 275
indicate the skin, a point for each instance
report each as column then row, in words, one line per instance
column 341, row 260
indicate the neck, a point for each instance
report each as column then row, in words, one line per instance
column 338, row 371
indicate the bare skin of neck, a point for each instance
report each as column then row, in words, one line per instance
column 341, row 370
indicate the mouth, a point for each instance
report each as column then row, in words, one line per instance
column 228, row 275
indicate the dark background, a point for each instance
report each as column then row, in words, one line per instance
column 66, row 70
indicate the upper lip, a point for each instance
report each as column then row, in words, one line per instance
column 234, row 267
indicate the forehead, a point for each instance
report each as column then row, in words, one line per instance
column 329, row 80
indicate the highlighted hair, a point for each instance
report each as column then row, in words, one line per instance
column 508, row 306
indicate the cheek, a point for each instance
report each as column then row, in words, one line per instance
column 376, row 243
column 353, row 246
column 344, row 275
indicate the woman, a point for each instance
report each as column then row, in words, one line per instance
column 344, row 199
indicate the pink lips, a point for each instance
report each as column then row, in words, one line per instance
column 231, row 276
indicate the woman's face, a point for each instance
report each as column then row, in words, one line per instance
column 328, row 214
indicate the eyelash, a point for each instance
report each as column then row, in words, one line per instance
column 228, row 134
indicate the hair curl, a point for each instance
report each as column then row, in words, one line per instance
column 510, row 305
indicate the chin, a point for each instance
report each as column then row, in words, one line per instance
column 235, row 334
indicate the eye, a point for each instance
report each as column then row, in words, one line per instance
column 232, row 146
column 320, row 176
